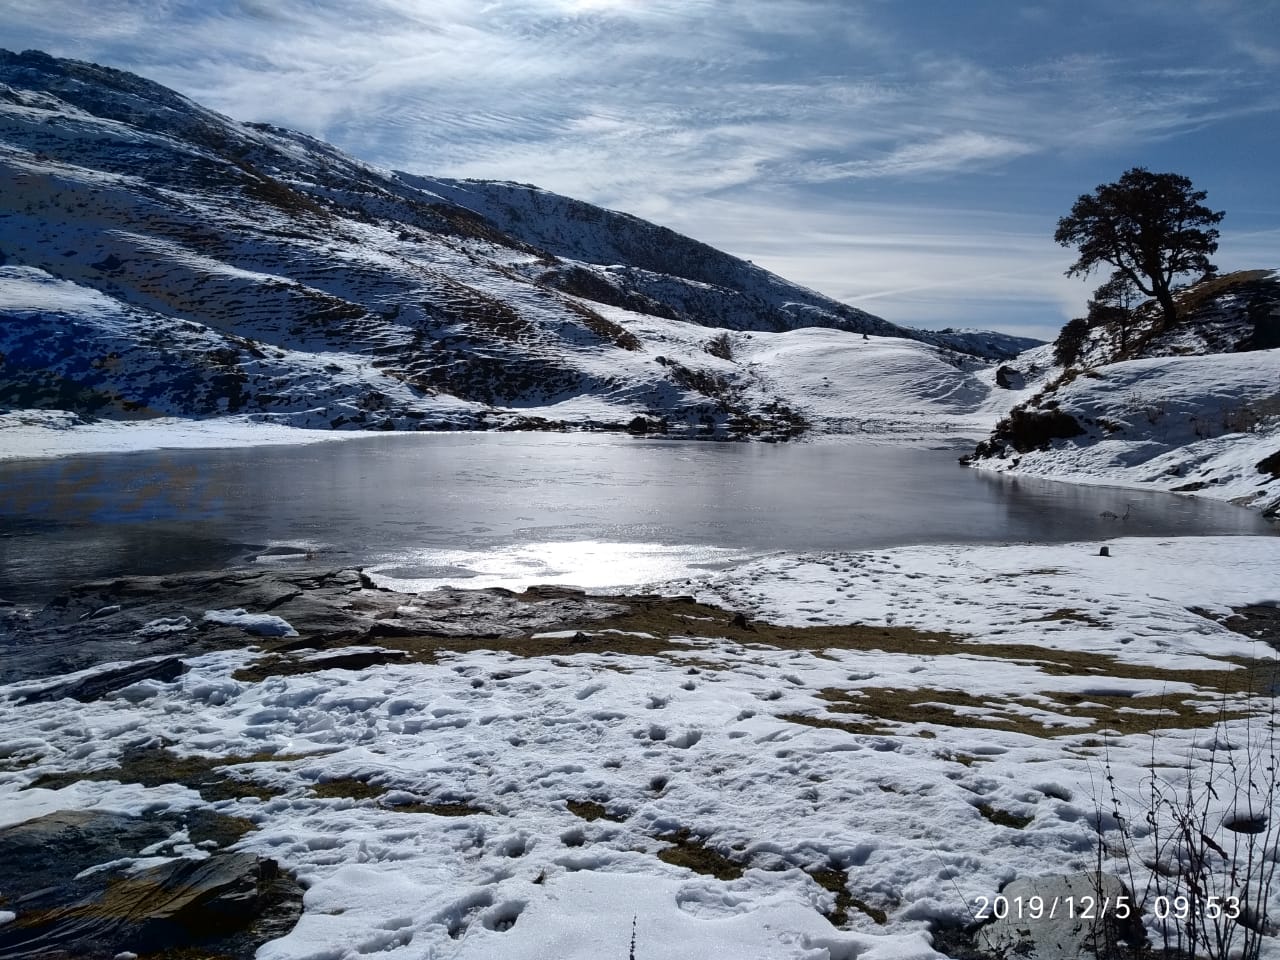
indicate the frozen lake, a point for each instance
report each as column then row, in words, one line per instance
column 510, row 509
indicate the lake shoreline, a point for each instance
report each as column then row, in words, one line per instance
column 43, row 434
column 34, row 435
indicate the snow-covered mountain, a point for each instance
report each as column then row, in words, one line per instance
column 1193, row 408
column 159, row 259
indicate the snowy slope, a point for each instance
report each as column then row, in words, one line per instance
column 158, row 259
column 1194, row 409
column 877, row 387
column 611, row 255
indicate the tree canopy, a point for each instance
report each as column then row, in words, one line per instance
column 1151, row 227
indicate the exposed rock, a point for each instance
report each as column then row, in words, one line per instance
column 1261, row 621
column 324, row 607
column 98, row 685
column 1270, row 465
column 1025, row 429
column 1010, row 377
column 227, row 903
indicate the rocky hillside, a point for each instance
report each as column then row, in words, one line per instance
column 157, row 258
column 1192, row 408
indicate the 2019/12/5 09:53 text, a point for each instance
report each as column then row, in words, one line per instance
column 1093, row 908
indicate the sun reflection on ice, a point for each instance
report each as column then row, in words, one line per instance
column 590, row 564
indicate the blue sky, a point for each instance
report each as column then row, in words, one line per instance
column 911, row 158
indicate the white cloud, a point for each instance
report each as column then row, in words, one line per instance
column 726, row 118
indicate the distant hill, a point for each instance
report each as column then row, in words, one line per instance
column 1193, row 408
column 160, row 259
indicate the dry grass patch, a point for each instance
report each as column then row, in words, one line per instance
column 1199, row 294
column 449, row 808
column 670, row 618
column 676, row 628
column 1067, row 615
column 690, row 852
column 1118, row 712
column 1003, row 818
column 679, row 628
column 1019, row 574
column 348, row 788
column 156, row 766
column 897, row 705
column 830, row 723
column 278, row 665
column 1149, row 714
column 590, row 810
column 836, row 882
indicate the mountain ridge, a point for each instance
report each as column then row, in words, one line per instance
column 159, row 259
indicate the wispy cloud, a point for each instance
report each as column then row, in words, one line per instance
column 918, row 263
column 946, row 153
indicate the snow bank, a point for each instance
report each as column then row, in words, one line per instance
column 1195, row 424
column 36, row 434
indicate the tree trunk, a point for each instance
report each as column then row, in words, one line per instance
column 1165, row 298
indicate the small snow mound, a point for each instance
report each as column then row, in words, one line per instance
column 257, row 624
column 163, row 625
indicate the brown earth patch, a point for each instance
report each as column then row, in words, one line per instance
column 690, row 852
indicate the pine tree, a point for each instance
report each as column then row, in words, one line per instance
column 1151, row 227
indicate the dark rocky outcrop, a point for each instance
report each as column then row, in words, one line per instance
column 227, row 904
column 1026, row 429
column 95, row 686
column 1010, row 378
column 163, row 617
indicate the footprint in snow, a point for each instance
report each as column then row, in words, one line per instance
column 686, row 739
column 503, row 917
column 515, row 845
column 386, row 940
column 458, row 915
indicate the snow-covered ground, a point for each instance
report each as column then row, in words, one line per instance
column 1198, row 424
column 879, row 389
column 35, row 434
column 928, row 766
